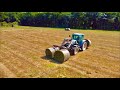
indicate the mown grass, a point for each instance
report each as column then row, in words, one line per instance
column 24, row 53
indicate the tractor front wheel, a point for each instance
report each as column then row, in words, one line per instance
column 74, row 51
column 88, row 42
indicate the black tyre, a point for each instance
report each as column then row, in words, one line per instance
column 74, row 51
column 88, row 42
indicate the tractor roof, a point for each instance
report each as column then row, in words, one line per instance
column 78, row 34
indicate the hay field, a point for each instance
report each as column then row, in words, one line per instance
column 22, row 54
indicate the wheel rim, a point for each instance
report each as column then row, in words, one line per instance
column 84, row 46
column 75, row 51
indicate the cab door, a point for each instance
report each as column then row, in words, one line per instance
column 81, row 37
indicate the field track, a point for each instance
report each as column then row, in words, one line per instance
column 22, row 54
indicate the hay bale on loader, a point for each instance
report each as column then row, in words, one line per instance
column 61, row 55
column 50, row 52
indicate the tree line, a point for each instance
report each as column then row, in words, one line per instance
column 76, row 20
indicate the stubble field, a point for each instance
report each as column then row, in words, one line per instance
column 22, row 54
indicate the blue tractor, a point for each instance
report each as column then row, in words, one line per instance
column 70, row 46
column 82, row 43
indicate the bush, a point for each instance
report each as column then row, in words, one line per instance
column 5, row 24
column 14, row 24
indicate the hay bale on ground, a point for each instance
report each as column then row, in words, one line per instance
column 61, row 55
column 67, row 29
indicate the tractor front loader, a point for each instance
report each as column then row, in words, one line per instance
column 69, row 46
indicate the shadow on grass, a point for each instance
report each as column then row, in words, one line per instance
column 51, row 60
column 54, row 61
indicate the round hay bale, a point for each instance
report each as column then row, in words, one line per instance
column 50, row 52
column 67, row 29
column 61, row 55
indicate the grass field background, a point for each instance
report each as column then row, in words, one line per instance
column 22, row 54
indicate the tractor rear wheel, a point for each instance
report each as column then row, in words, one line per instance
column 88, row 42
column 84, row 46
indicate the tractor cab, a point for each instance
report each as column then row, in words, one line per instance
column 78, row 37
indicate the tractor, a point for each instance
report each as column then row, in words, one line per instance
column 70, row 46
